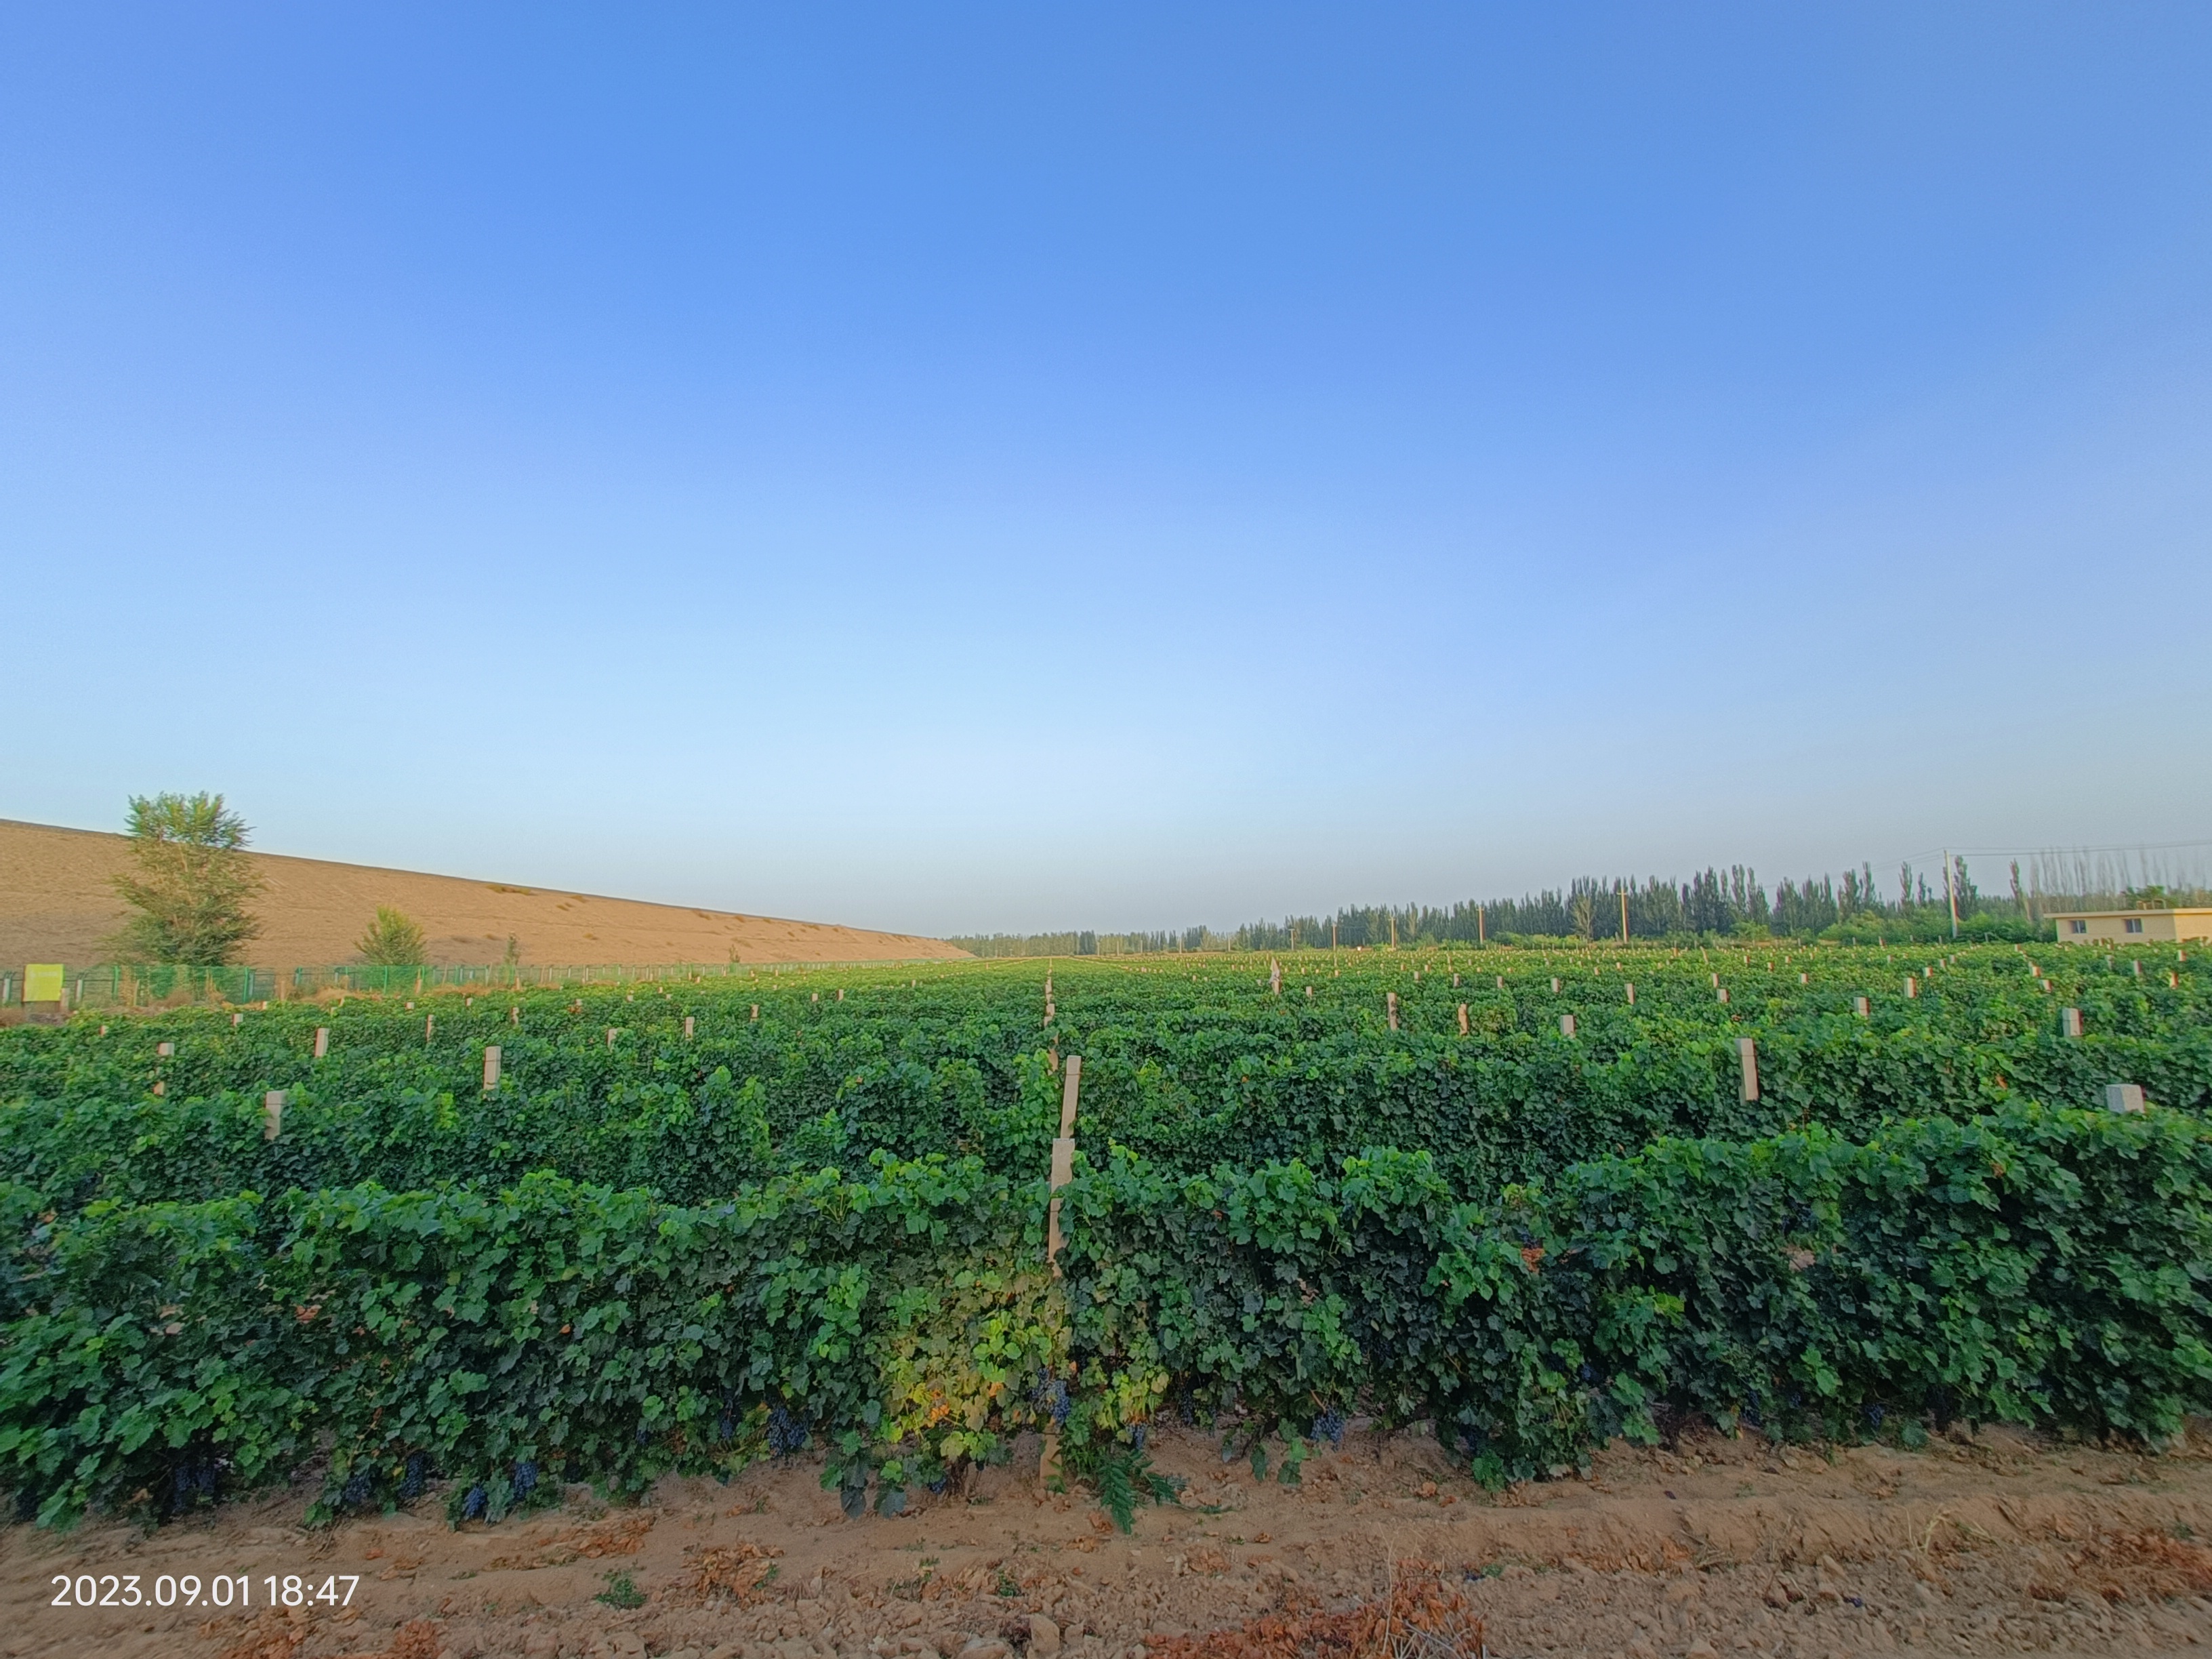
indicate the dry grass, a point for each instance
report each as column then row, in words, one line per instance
column 623, row 1535
column 1425, row 1616
column 740, row 1572
column 2131, row 1566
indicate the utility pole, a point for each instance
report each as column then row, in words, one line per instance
column 1951, row 892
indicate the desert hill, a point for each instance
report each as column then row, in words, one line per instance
column 56, row 906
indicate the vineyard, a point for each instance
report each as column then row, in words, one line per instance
column 1536, row 1200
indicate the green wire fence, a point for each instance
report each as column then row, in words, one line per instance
column 124, row 985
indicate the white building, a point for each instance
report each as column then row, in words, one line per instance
column 2130, row 926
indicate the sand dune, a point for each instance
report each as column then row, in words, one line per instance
column 56, row 906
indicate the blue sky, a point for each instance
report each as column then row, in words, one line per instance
column 962, row 468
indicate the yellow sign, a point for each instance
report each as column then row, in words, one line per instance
column 42, row 981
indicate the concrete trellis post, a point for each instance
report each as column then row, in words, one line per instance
column 1274, row 977
column 429, row 1025
column 1063, row 1171
column 2124, row 1097
column 1722, row 994
column 491, row 1067
column 1859, row 1007
column 1747, row 1053
column 2069, row 1022
column 1632, row 993
column 1063, row 1156
column 1911, row 985
column 690, row 1025
column 272, row 1114
column 1462, row 1019
column 1390, row 1003
column 611, row 1036
column 1566, row 1025
column 322, row 1041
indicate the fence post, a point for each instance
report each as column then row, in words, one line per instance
column 491, row 1067
column 1063, row 1171
column 1063, row 1155
column 1747, row 1051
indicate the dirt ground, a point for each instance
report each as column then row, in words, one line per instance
column 1976, row 1543
column 56, row 905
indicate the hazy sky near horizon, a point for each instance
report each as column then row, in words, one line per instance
column 960, row 468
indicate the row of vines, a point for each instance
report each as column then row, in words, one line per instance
column 813, row 1215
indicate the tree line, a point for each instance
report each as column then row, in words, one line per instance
column 1714, row 903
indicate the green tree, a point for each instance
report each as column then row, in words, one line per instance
column 392, row 941
column 192, row 883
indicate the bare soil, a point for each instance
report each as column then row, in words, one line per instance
column 56, row 905
column 1977, row 1544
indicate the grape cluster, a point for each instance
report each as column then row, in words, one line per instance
column 526, row 1480
column 1051, row 1398
column 416, row 1475
column 195, row 1479
column 1329, row 1426
column 786, row 1433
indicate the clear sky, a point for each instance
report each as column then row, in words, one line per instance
column 958, row 468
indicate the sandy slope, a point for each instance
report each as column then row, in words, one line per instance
column 56, row 906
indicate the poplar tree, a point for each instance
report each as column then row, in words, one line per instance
column 192, row 883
